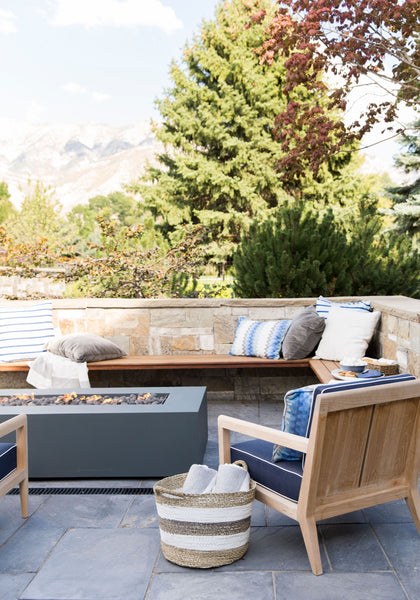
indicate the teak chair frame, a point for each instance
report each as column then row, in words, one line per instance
column 19, row 476
column 363, row 450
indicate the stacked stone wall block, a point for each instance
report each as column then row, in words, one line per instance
column 403, row 330
column 164, row 317
column 267, row 313
column 138, row 345
column 224, row 330
column 73, row 321
column 238, row 312
column 415, row 337
column 207, row 343
column 402, row 358
column 199, row 318
column 186, row 343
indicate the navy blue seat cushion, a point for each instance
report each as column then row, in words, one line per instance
column 8, row 459
column 283, row 477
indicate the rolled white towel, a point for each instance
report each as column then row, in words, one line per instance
column 200, row 480
column 231, row 478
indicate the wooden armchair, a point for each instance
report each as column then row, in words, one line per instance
column 14, row 460
column 363, row 449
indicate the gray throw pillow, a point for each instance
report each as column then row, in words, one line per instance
column 84, row 347
column 303, row 334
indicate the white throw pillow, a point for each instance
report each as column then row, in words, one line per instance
column 347, row 333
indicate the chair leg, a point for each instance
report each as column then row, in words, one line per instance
column 413, row 503
column 24, row 498
column 310, row 537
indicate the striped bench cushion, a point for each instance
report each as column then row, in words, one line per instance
column 24, row 331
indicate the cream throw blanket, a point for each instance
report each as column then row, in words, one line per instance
column 49, row 370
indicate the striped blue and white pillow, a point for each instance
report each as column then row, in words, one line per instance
column 323, row 306
column 262, row 339
column 24, row 331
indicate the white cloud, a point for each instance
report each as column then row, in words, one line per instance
column 99, row 97
column 7, row 21
column 113, row 13
column 74, row 88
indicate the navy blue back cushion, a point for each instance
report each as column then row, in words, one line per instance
column 8, row 459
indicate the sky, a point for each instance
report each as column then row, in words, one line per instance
column 103, row 61
column 77, row 61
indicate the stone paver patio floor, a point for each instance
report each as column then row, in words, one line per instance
column 107, row 547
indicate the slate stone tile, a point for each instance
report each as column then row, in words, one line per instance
column 148, row 483
column 353, row 547
column 353, row 517
column 11, row 586
column 275, row 549
column 401, row 543
column 10, row 515
column 141, row 513
column 258, row 518
column 276, row 518
column 209, row 585
column 211, row 455
column 93, row 564
column 391, row 512
column 29, row 547
column 334, row 586
column 83, row 511
column 240, row 410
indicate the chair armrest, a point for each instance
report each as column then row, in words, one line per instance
column 13, row 424
column 227, row 424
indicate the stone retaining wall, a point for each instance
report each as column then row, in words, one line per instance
column 184, row 326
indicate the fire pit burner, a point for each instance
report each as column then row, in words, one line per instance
column 75, row 398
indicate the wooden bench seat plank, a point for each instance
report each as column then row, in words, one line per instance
column 175, row 361
column 321, row 368
column 193, row 361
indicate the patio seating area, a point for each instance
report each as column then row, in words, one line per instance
column 99, row 546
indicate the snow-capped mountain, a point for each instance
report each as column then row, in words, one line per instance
column 78, row 161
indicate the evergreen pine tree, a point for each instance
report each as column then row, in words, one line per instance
column 382, row 262
column 219, row 164
column 297, row 254
column 305, row 253
column 406, row 198
column 6, row 207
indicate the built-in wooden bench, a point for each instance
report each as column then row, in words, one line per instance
column 321, row 368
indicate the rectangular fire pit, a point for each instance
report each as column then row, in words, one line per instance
column 114, row 439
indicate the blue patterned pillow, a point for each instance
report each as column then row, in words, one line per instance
column 259, row 338
column 323, row 306
column 297, row 409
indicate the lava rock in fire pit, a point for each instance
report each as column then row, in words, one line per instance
column 75, row 398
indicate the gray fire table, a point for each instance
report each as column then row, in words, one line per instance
column 114, row 441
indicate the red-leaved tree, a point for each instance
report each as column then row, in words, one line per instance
column 355, row 42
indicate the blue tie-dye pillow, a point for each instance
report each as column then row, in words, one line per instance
column 297, row 408
column 299, row 405
column 262, row 339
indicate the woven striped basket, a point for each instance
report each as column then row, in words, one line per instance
column 202, row 530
